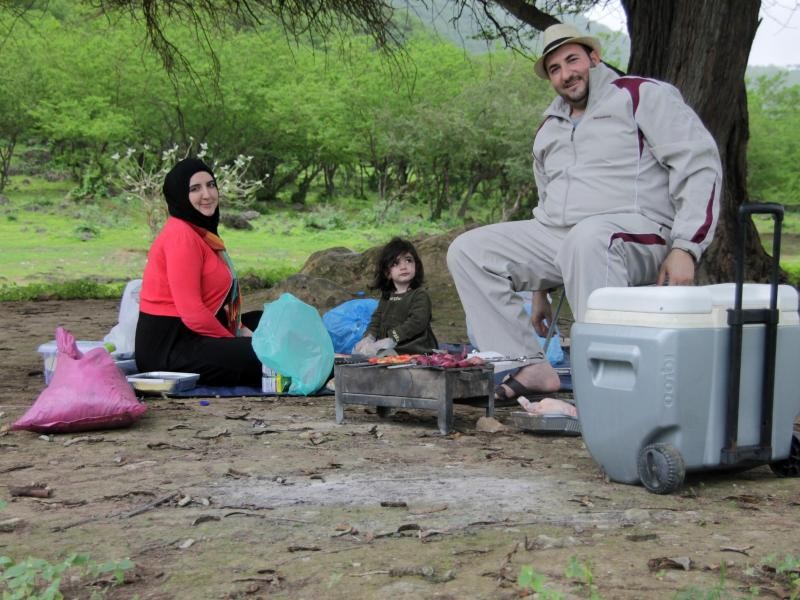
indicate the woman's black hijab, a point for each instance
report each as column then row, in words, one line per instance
column 176, row 192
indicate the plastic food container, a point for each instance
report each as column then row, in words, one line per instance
column 273, row 382
column 127, row 366
column 49, row 352
column 163, row 381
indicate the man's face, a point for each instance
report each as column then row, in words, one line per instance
column 568, row 70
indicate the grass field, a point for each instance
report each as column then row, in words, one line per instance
column 51, row 245
column 47, row 239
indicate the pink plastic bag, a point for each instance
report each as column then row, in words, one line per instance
column 87, row 392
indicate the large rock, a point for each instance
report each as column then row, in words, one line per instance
column 235, row 221
column 352, row 270
column 330, row 277
column 321, row 293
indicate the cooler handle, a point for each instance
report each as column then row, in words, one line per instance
column 620, row 353
column 732, row 453
column 745, row 211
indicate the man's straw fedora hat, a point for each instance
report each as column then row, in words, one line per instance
column 556, row 36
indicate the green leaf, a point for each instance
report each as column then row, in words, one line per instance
column 526, row 576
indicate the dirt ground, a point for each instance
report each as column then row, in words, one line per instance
column 270, row 498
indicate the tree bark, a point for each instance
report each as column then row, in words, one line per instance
column 701, row 47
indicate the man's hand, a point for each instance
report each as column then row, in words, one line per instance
column 677, row 269
column 541, row 312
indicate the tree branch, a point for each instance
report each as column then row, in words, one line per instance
column 528, row 13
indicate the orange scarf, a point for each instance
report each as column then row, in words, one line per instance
column 233, row 308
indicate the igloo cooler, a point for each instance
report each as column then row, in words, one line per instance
column 675, row 379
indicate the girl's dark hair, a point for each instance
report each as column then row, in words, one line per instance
column 388, row 255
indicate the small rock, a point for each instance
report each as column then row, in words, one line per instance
column 684, row 563
column 140, row 465
column 315, row 437
column 636, row 515
column 490, row 425
column 544, row 542
column 235, row 221
column 10, row 525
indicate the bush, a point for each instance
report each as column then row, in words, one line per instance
column 37, row 579
column 257, row 280
column 325, row 218
column 68, row 290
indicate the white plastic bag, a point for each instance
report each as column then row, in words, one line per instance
column 123, row 334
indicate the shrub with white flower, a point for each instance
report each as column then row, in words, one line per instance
column 140, row 174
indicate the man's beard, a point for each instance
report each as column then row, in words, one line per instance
column 574, row 97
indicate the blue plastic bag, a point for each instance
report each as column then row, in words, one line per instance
column 291, row 339
column 347, row 323
column 554, row 354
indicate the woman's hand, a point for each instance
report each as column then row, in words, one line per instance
column 245, row 332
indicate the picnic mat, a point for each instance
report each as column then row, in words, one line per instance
column 202, row 391
column 208, row 391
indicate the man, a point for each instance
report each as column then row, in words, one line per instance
column 629, row 182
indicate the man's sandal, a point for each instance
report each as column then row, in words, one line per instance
column 518, row 389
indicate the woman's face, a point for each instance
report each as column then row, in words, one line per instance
column 203, row 193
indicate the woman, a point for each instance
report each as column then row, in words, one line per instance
column 189, row 318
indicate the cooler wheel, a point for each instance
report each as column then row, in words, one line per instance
column 661, row 468
column 790, row 466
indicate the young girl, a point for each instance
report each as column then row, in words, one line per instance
column 402, row 321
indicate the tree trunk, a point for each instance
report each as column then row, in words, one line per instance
column 330, row 174
column 470, row 191
column 299, row 196
column 6, row 152
column 701, row 47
